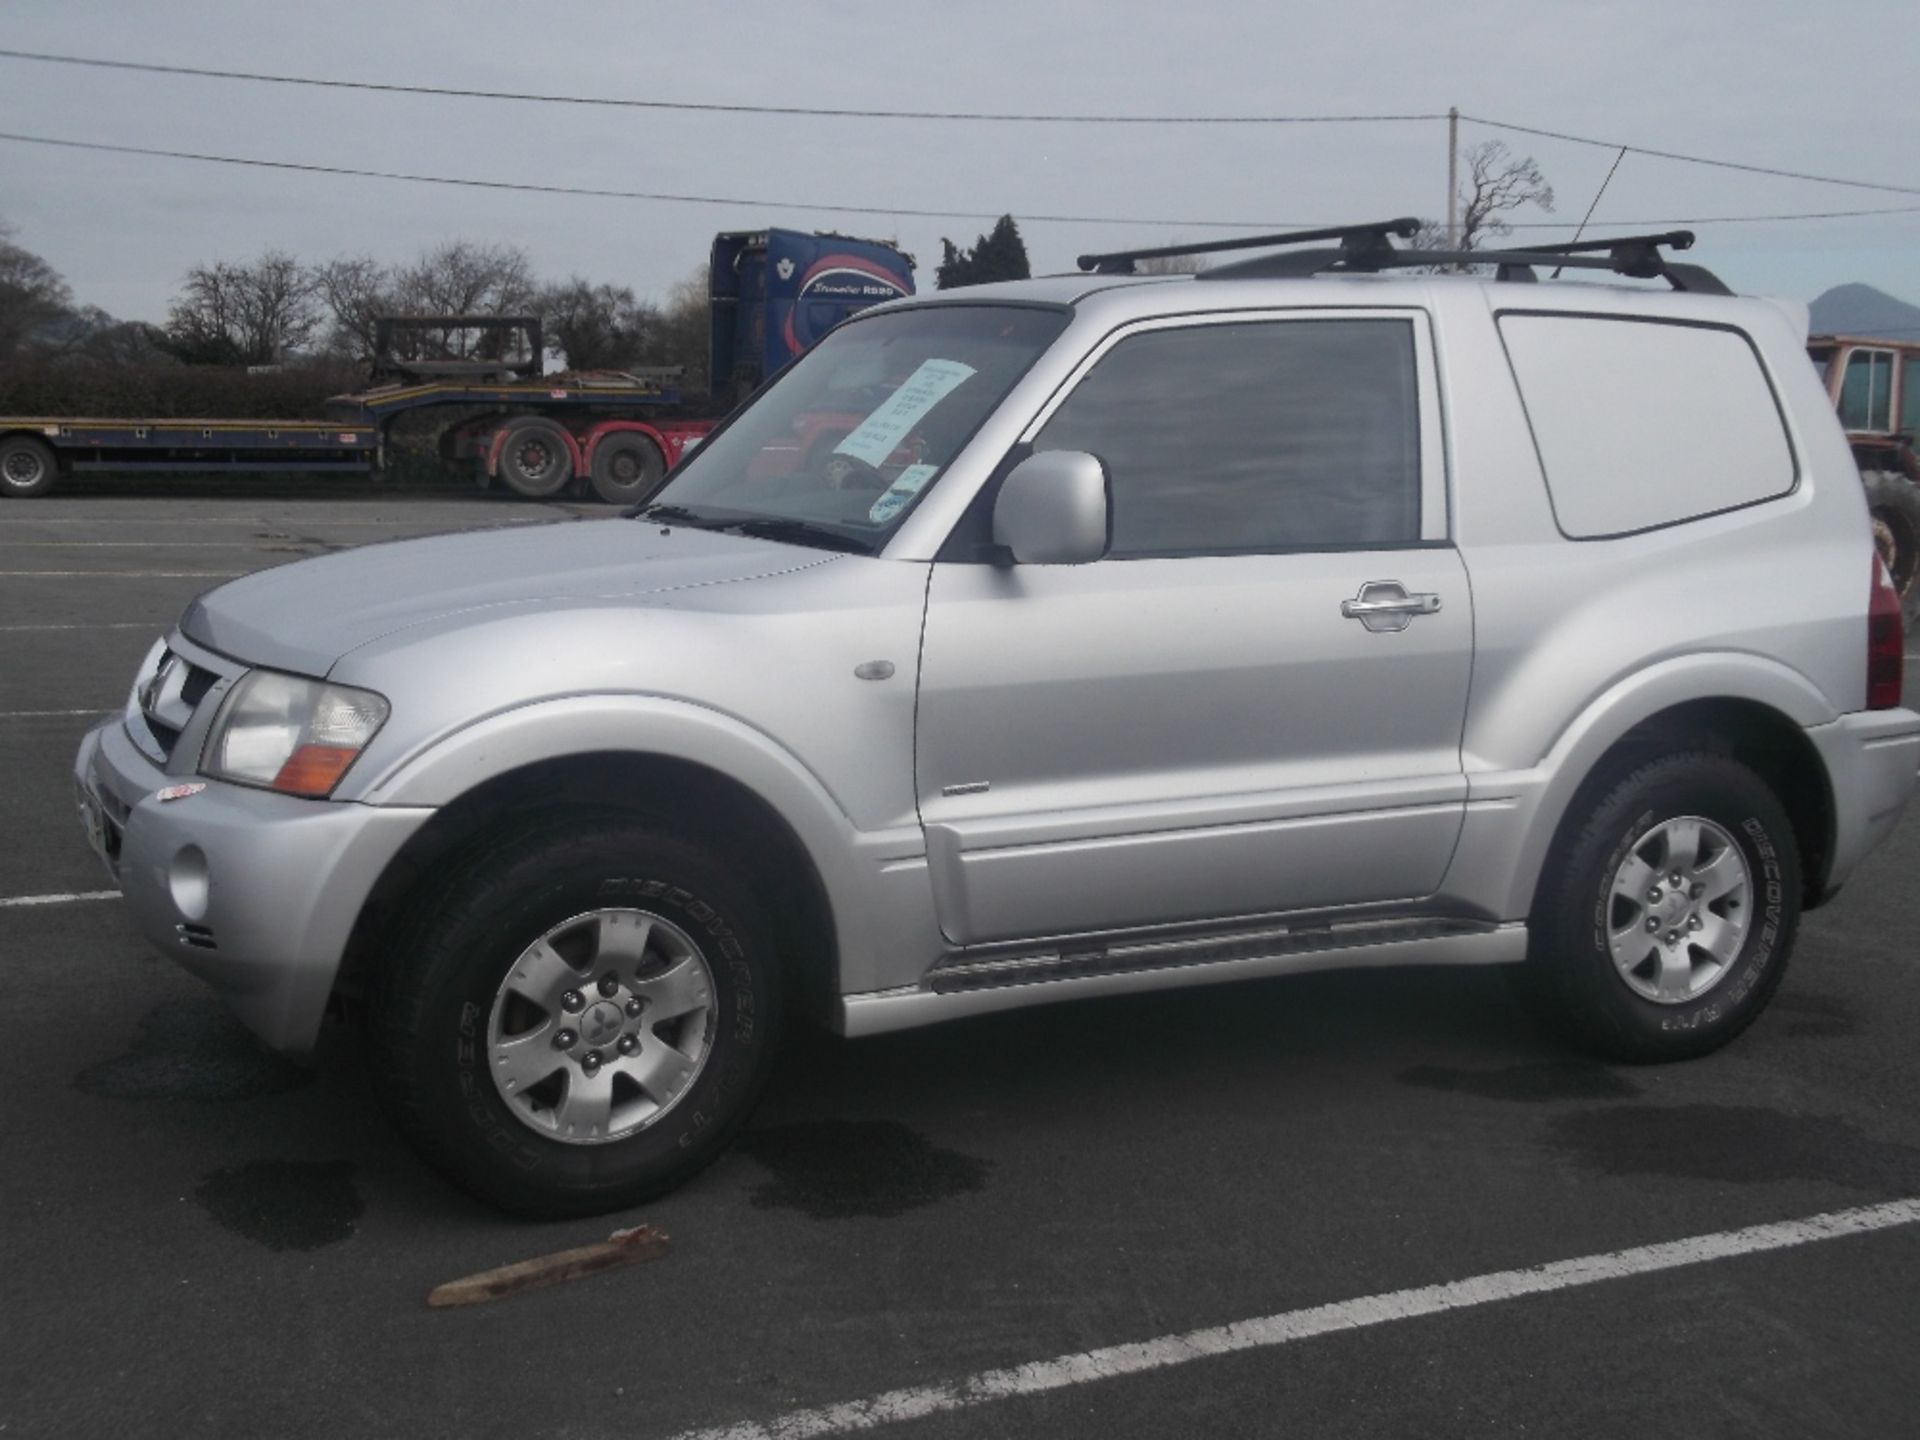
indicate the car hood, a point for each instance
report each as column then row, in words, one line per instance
column 304, row 617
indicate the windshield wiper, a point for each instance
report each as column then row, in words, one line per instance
column 796, row 532
column 674, row 515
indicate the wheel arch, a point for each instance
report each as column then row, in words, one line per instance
column 1756, row 711
column 683, row 795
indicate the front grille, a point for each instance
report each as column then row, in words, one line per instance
column 169, row 695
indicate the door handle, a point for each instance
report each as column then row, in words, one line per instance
column 1387, row 605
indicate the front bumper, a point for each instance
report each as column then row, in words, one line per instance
column 256, row 893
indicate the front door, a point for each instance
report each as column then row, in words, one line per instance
column 1254, row 703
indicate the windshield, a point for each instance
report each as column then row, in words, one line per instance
column 840, row 446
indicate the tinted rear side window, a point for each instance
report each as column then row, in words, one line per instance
column 1644, row 423
column 1249, row 437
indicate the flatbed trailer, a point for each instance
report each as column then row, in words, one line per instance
column 535, row 433
column 772, row 294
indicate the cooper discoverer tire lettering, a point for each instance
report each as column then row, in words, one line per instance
column 1667, row 910
column 631, row 1070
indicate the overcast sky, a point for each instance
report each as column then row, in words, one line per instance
column 1828, row 88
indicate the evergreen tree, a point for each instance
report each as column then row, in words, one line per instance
column 1000, row 254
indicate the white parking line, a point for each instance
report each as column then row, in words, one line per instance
column 9, row 901
column 1291, row 1325
column 52, row 714
column 155, row 544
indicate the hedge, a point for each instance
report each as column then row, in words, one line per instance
column 169, row 392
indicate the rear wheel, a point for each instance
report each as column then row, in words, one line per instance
column 1893, row 503
column 578, row 1018
column 626, row 468
column 27, row 467
column 536, row 459
column 1667, row 910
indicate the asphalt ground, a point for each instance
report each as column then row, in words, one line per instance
column 197, row 1238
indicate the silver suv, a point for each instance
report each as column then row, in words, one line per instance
column 1033, row 641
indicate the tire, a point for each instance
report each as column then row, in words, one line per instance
column 451, row 1000
column 1893, row 503
column 536, row 459
column 626, row 468
column 1589, row 902
column 27, row 467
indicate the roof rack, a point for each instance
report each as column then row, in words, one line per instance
column 1358, row 239
column 1367, row 249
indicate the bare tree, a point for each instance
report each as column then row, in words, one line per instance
column 596, row 327
column 244, row 313
column 683, row 333
column 33, row 297
column 1496, row 184
column 466, row 278
column 356, row 290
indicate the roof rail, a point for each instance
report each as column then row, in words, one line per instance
column 1637, row 256
column 1354, row 239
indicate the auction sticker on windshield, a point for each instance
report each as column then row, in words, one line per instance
column 877, row 436
column 909, row 483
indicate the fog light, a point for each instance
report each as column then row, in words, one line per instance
column 189, row 882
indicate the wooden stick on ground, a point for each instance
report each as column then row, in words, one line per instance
column 622, row 1247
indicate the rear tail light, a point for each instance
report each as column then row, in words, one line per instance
column 1886, row 642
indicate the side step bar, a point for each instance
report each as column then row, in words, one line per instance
column 972, row 983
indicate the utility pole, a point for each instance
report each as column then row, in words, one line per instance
column 1453, row 177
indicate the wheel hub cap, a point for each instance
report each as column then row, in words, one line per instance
column 620, row 1063
column 1679, row 909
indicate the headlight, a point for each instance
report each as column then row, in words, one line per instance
column 291, row 734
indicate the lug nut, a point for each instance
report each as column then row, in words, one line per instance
column 1693, row 922
column 1673, row 937
column 1653, row 926
column 564, row 1040
column 1653, row 896
column 628, row 1044
column 1674, row 879
column 573, row 1002
column 590, row 1062
column 609, row 985
column 634, row 1007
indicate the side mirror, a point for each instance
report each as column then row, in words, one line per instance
column 1052, row 509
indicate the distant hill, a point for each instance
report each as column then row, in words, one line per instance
column 1863, row 310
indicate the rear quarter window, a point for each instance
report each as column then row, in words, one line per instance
column 1645, row 423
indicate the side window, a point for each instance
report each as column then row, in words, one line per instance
column 1910, row 393
column 1644, row 423
column 1250, row 437
column 1866, row 395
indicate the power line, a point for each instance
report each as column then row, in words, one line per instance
column 470, row 182
column 453, row 92
column 1692, row 159
column 969, row 116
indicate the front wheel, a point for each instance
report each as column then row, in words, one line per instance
column 1667, row 910
column 578, row 1018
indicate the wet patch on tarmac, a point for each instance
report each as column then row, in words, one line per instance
column 1531, row 1084
column 1817, row 1017
column 192, row 1050
column 1737, row 1144
column 284, row 1204
column 839, row 1169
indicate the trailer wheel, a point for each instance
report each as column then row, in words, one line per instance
column 626, row 467
column 27, row 466
column 536, row 459
column 1893, row 503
